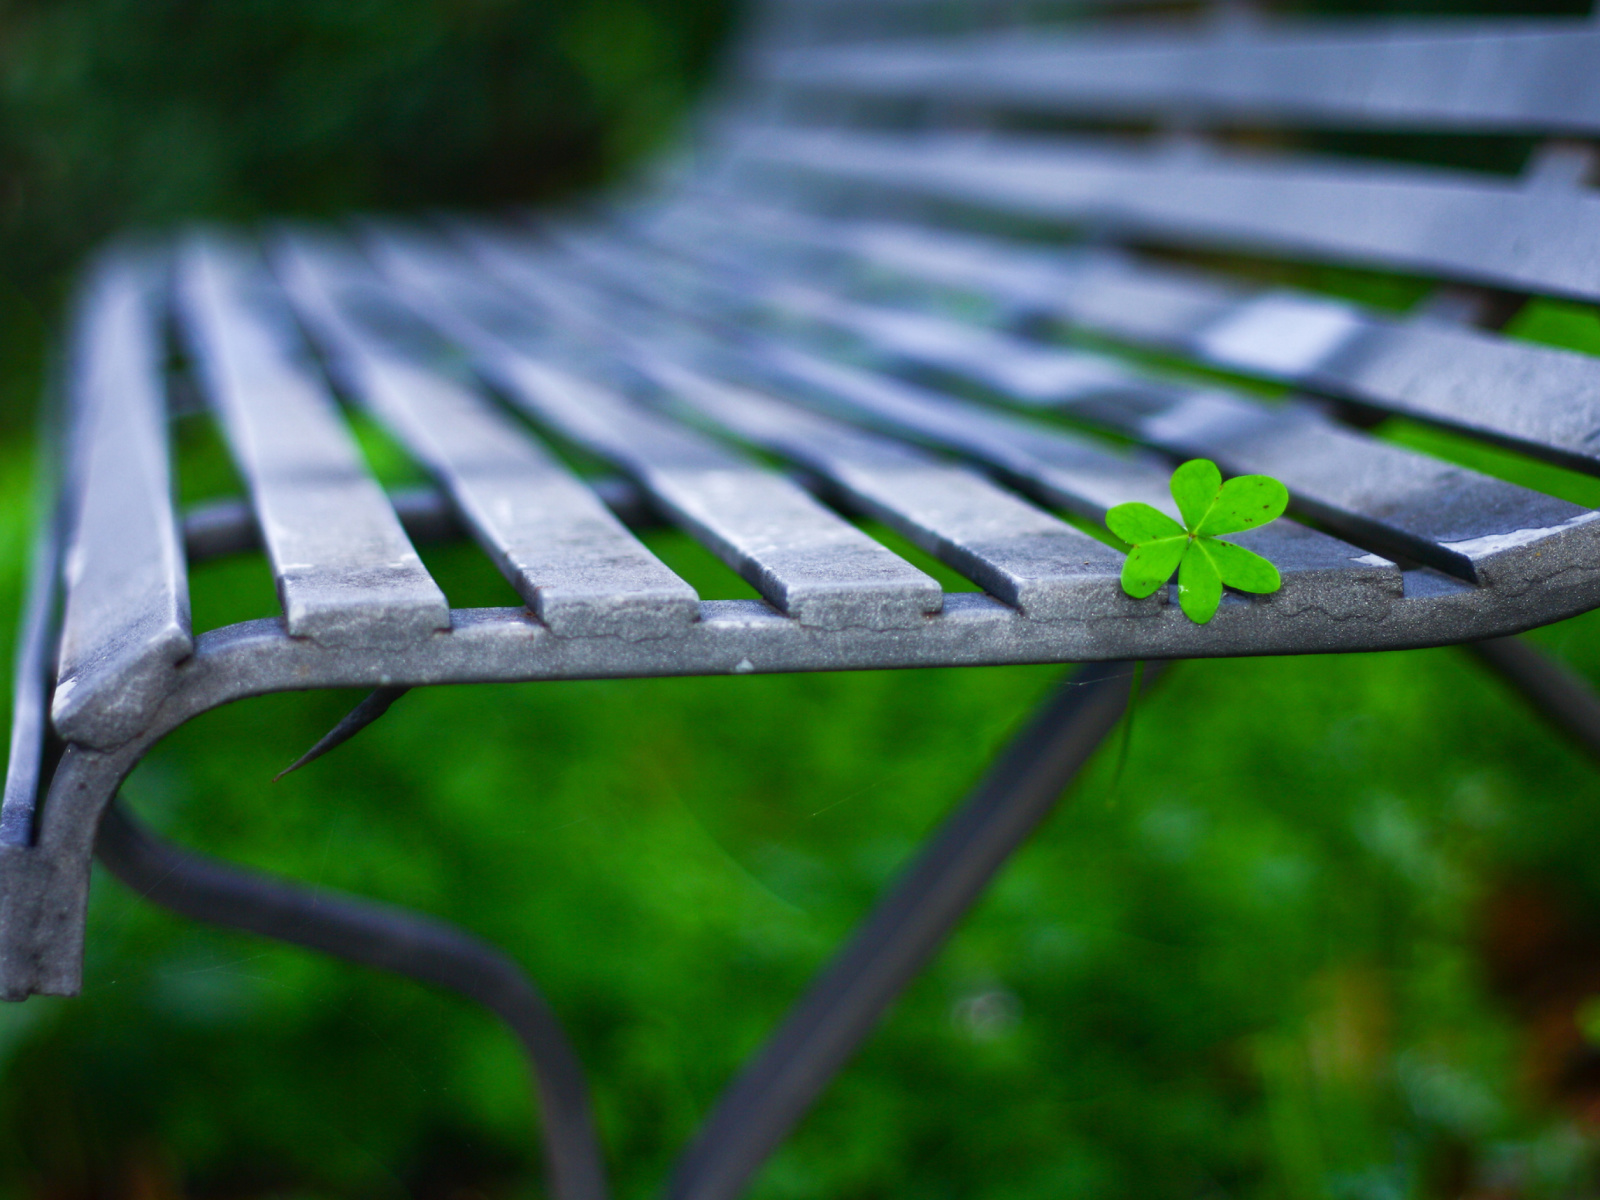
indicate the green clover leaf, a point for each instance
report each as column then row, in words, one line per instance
column 1203, row 561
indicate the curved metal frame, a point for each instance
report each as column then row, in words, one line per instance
column 389, row 939
column 825, row 1027
column 45, row 880
column 761, row 1106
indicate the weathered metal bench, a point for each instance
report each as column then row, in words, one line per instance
column 858, row 273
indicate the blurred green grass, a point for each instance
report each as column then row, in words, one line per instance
column 1263, row 964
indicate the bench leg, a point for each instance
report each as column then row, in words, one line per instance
column 1561, row 695
column 392, row 940
column 906, row 929
column 823, row 1030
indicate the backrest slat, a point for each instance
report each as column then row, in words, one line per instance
column 345, row 570
column 1507, row 76
column 784, row 25
column 125, row 622
column 1510, row 234
column 1015, row 551
column 572, row 561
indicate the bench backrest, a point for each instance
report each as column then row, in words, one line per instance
column 1187, row 137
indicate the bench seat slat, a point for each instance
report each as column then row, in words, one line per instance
column 345, row 570
column 1068, row 472
column 801, row 557
column 1505, row 76
column 1043, row 373
column 1062, row 470
column 805, row 560
column 1471, row 525
column 1513, row 234
column 574, row 563
column 1380, row 495
column 1015, row 551
column 125, row 620
column 1392, row 499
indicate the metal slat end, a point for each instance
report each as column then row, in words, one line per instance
column 868, row 606
column 112, row 698
column 363, row 606
column 636, row 616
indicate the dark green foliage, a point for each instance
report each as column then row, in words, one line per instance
column 119, row 114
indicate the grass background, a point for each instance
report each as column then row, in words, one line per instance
column 1335, row 933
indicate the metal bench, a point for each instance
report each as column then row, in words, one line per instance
column 847, row 300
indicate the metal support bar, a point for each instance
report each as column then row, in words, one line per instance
column 389, row 939
column 1563, row 697
column 229, row 526
column 757, row 1112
